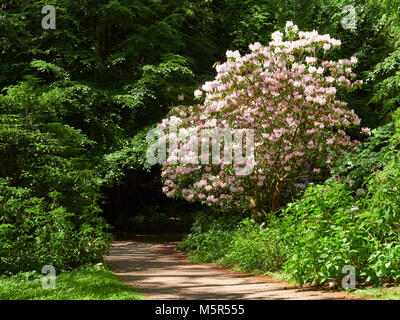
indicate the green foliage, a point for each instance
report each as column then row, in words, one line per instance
column 315, row 237
column 34, row 233
column 77, row 102
column 395, row 139
column 331, row 230
column 385, row 197
column 371, row 155
column 255, row 248
column 132, row 156
column 388, row 89
column 325, row 235
column 386, row 74
column 48, row 212
column 231, row 241
column 210, row 237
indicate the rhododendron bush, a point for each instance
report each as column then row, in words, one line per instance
column 284, row 97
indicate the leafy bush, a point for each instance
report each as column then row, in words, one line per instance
column 49, row 192
column 322, row 234
column 254, row 248
column 210, row 237
column 288, row 94
column 353, row 168
column 315, row 237
column 231, row 241
column 34, row 233
column 331, row 229
column 384, row 187
column 395, row 140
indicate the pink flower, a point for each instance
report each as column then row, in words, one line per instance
column 354, row 60
column 282, row 93
column 312, row 69
column 198, row 93
column 189, row 197
column 326, row 46
column 311, row 60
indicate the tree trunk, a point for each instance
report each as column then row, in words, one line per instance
column 277, row 196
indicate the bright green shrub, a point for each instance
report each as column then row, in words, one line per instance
column 210, row 237
column 49, row 192
column 254, row 248
column 330, row 230
column 315, row 237
column 395, row 140
column 384, row 203
column 34, row 233
column 232, row 242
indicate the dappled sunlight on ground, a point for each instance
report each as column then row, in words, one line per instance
column 158, row 272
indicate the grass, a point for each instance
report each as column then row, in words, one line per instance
column 85, row 283
column 392, row 293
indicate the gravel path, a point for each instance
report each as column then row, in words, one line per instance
column 157, row 272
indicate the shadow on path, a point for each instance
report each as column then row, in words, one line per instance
column 156, row 272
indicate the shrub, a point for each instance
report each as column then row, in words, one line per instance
column 353, row 168
column 331, row 229
column 210, row 237
column 384, row 187
column 34, row 233
column 254, row 248
column 234, row 242
column 49, row 192
column 286, row 93
column 315, row 237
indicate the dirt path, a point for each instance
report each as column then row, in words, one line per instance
column 159, row 273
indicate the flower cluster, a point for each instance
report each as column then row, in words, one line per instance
column 286, row 93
